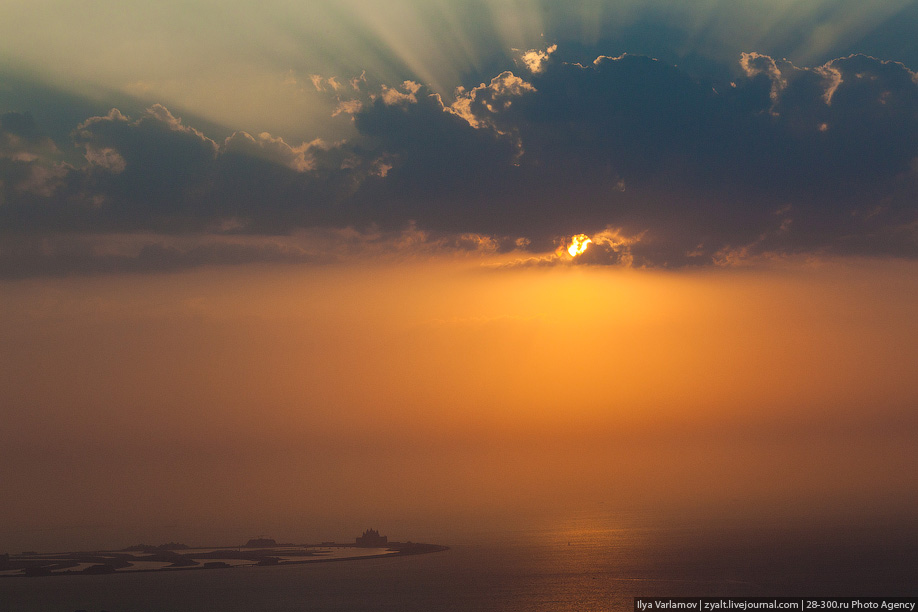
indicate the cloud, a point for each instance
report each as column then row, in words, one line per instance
column 66, row 255
column 687, row 171
column 608, row 247
column 29, row 161
column 43, row 181
column 153, row 166
column 227, row 244
column 484, row 101
column 348, row 107
column 273, row 149
column 156, row 173
column 19, row 134
column 534, row 59
column 391, row 96
column 440, row 162
column 754, row 64
column 708, row 167
column 106, row 158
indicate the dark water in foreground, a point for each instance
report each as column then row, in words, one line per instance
column 571, row 568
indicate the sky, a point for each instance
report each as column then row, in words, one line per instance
column 303, row 268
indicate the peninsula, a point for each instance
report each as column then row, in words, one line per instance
column 173, row 556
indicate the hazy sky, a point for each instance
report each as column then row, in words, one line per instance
column 304, row 267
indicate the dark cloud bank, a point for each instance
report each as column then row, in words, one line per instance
column 683, row 171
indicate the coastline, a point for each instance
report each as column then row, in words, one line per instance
column 36, row 565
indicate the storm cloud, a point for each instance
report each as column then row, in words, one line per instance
column 779, row 159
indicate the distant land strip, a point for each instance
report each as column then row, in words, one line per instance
column 174, row 557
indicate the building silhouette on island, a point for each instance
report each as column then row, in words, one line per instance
column 261, row 542
column 372, row 539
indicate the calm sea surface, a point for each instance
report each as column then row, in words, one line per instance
column 578, row 566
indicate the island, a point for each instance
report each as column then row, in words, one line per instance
column 257, row 552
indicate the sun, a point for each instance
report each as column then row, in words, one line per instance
column 579, row 244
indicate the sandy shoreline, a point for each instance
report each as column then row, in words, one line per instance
column 31, row 565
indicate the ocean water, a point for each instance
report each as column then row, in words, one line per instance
column 578, row 566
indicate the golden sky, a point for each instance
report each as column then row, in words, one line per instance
column 448, row 393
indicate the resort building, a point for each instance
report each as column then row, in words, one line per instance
column 372, row 539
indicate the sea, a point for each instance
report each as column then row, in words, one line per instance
column 579, row 565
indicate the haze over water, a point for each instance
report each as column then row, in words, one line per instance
column 310, row 403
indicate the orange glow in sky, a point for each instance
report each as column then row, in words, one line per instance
column 450, row 398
